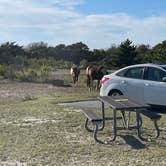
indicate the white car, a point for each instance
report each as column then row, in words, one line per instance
column 145, row 83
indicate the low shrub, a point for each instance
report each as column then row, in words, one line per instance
column 3, row 70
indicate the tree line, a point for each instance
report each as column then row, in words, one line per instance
column 126, row 53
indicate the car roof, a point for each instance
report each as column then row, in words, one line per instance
column 148, row 64
column 163, row 66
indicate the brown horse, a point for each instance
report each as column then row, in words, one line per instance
column 95, row 72
column 75, row 72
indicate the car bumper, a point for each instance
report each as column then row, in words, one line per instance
column 103, row 91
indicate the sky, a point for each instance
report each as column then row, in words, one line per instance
column 97, row 23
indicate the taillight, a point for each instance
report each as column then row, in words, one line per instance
column 104, row 80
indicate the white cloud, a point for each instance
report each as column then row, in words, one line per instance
column 104, row 30
column 56, row 21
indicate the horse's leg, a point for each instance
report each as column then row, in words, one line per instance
column 91, row 83
column 77, row 80
column 98, row 84
column 88, row 81
column 73, row 78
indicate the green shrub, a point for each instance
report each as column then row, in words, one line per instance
column 31, row 75
column 44, row 71
column 84, row 63
column 20, row 76
column 3, row 70
column 10, row 73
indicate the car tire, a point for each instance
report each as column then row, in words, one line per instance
column 115, row 93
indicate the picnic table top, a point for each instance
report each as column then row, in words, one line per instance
column 122, row 103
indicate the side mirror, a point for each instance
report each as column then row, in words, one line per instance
column 164, row 79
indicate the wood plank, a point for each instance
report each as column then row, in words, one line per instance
column 91, row 115
column 122, row 103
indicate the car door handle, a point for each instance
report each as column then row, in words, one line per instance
column 146, row 84
column 123, row 82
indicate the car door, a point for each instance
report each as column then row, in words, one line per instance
column 133, row 83
column 154, row 87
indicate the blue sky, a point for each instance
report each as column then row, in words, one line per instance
column 139, row 8
column 97, row 23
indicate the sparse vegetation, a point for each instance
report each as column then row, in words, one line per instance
column 34, row 130
column 17, row 61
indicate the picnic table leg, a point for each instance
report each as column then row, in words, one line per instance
column 95, row 134
column 86, row 126
column 95, row 130
column 140, row 120
column 103, row 116
column 114, row 128
column 157, row 129
column 89, row 129
column 125, row 124
column 115, row 125
column 139, row 124
column 103, row 121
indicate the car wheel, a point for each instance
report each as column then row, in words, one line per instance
column 115, row 93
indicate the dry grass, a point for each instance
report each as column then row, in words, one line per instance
column 36, row 131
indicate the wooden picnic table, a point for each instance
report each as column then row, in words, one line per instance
column 122, row 104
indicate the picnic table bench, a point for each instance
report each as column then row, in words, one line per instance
column 122, row 104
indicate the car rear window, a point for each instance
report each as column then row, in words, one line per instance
column 121, row 73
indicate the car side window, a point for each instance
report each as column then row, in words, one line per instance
column 136, row 72
column 155, row 74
